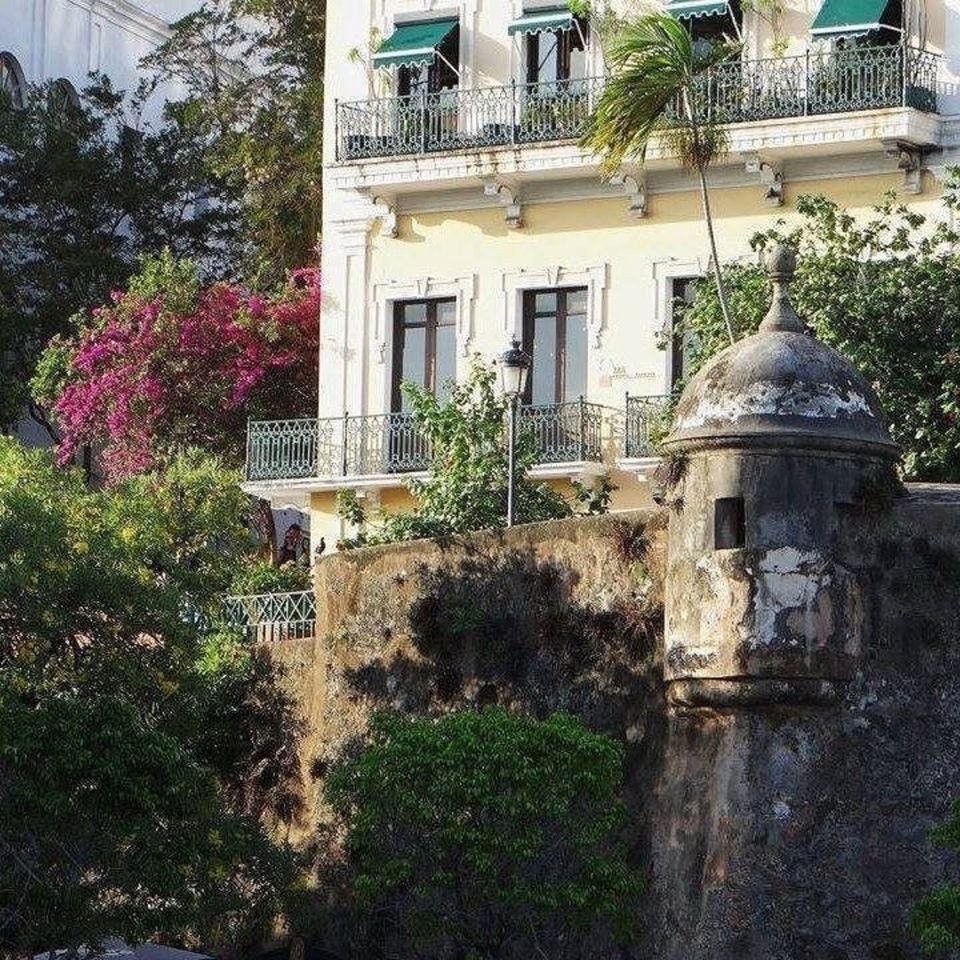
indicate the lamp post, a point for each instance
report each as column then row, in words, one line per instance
column 514, row 366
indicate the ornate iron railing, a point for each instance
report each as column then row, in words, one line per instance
column 818, row 82
column 462, row 119
column 646, row 418
column 565, row 432
column 272, row 616
column 284, row 449
column 364, row 446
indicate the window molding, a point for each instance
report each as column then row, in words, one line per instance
column 462, row 289
column 664, row 273
column 513, row 284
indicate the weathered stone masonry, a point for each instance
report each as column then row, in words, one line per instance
column 792, row 733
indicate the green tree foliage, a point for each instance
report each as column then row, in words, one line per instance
column 253, row 72
column 657, row 87
column 137, row 753
column 487, row 835
column 936, row 918
column 466, row 488
column 110, row 827
column 883, row 291
column 82, row 195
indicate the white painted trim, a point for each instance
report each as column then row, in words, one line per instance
column 463, row 289
column 664, row 272
column 790, row 138
column 642, row 467
column 595, row 278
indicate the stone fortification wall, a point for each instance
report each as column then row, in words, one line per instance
column 768, row 831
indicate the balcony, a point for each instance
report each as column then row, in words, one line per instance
column 645, row 420
column 743, row 91
column 270, row 617
column 381, row 445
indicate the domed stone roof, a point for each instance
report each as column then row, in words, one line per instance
column 781, row 387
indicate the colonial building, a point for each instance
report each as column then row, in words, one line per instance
column 67, row 40
column 460, row 213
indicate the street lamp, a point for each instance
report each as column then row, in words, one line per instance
column 514, row 366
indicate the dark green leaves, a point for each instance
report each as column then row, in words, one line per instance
column 487, row 832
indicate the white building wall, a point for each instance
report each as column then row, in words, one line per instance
column 53, row 39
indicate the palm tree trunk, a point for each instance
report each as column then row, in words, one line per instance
column 717, row 271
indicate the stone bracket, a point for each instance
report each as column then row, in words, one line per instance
column 513, row 207
column 771, row 178
column 386, row 213
column 909, row 159
column 635, row 187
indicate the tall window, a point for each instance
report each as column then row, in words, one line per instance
column 441, row 74
column 424, row 347
column 557, row 55
column 555, row 337
column 684, row 290
column 715, row 27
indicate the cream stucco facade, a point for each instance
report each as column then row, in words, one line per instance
column 482, row 224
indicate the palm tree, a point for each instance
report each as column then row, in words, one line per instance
column 657, row 86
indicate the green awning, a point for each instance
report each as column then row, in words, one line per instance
column 696, row 8
column 414, row 44
column 537, row 21
column 848, row 18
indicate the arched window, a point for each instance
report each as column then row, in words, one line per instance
column 12, row 85
column 63, row 101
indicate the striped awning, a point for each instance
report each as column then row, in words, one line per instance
column 848, row 18
column 537, row 21
column 696, row 8
column 414, row 44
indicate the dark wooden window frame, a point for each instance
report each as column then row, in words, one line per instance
column 430, row 349
column 530, row 316
column 676, row 335
column 567, row 42
column 440, row 76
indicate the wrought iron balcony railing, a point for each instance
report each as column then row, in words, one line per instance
column 380, row 444
column 272, row 616
column 818, row 82
column 645, row 419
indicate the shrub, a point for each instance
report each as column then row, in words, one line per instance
column 487, row 834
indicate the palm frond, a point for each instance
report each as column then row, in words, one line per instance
column 655, row 83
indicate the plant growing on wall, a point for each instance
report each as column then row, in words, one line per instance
column 656, row 87
column 466, row 488
column 936, row 918
column 882, row 290
column 487, row 834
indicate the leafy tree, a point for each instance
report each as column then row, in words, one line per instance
column 656, row 86
column 170, row 364
column 136, row 752
column 466, row 488
column 253, row 72
column 81, row 197
column 110, row 827
column 883, row 291
column 936, row 918
column 487, row 835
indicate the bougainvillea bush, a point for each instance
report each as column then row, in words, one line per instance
column 168, row 364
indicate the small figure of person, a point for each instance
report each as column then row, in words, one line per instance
column 295, row 545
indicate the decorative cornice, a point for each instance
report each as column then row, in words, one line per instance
column 817, row 135
column 387, row 292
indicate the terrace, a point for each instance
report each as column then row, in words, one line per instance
column 382, row 445
column 819, row 82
